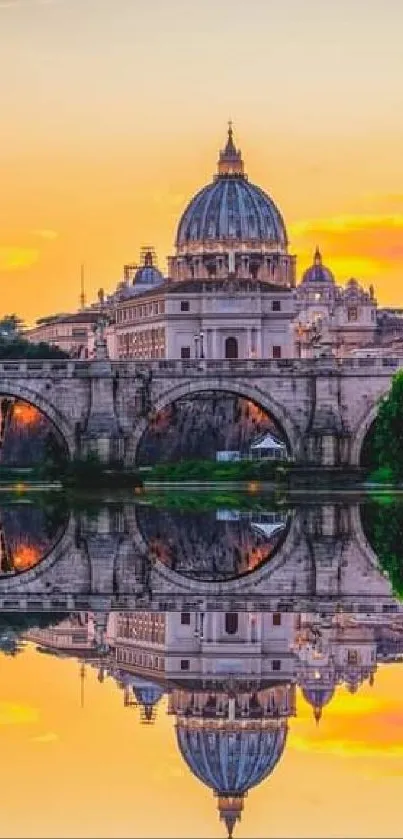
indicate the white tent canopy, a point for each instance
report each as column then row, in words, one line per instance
column 268, row 442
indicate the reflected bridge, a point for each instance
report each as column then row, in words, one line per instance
column 288, row 558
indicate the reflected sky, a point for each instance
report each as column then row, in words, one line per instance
column 78, row 723
column 179, row 701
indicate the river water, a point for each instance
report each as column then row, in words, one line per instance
column 201, row 664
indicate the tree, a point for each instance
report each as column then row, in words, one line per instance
column 11, row 326
column 18, row 347
column 382, row 521
column 388, row 436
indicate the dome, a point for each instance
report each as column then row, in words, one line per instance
column 231, row 761
column 318, row 273
column 318, row 697
column 146, row 693
column 231, row 209
column 147, row 275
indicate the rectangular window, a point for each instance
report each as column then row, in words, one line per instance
column 184, row 305
column 276, row 352
column 185, row 352
column 352, row 314
column 277, row 619
column 184, row 664
column 276, row 305
column 276, row 664
column 185, row 618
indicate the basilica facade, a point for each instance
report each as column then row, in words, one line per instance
column 232, row 290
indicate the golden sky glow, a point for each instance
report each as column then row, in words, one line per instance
column 111, row 776
column 114, row 111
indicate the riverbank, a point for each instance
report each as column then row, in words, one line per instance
column 90, row 474
column 283, row 475
column 79, row 474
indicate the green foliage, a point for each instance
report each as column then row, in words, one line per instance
column 383, row 527
column 381, row 475
column 210, row 470
column 90, row 472
column 18, row 348
column 211, row 500
column 11, row 326
column 14, row 345
column 388, row 434
column 14, row 624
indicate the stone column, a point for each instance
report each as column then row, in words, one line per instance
column 326, row 427
column 102, row 434
column 248, row 353
column 215, row 344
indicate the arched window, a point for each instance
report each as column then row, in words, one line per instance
column 231, row 348
column 231, row 623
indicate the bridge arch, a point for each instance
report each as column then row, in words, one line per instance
column 63, row 427
column 361, row 432
column 31, row 579
column 225, row 386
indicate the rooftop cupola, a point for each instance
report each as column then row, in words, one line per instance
column 230, row 160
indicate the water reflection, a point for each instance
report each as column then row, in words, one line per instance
column 28, row 531
column 232, row 552
column 226, row 613
column 230, row 679
column 221, row 544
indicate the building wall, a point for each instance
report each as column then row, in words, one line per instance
column 70, row 333
column 166, row 327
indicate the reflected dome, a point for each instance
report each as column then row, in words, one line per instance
column 231, row 758
column 318, row 697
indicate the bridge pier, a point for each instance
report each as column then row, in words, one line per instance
column 327, row 438
column 102, row 434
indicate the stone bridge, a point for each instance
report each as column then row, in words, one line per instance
column 324, row 564
column 324, row 406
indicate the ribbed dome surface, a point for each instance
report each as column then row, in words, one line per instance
column 232, row 208
column 231, row 762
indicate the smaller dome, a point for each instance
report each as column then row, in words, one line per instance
column 318, row 273
column 146, row 693
column 147, row 275
column 318, row 697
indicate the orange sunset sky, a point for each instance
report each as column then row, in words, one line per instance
column 96, row 771
column 113, row 112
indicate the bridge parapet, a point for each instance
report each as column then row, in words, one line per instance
column 193, row 367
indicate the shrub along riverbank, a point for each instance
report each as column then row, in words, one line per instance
column 80, row 473
column 211, row 470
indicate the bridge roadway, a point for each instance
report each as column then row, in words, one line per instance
column 325, row 406
column 105, row 563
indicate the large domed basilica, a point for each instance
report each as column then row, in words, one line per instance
column 232, row 227
column 232, row 291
